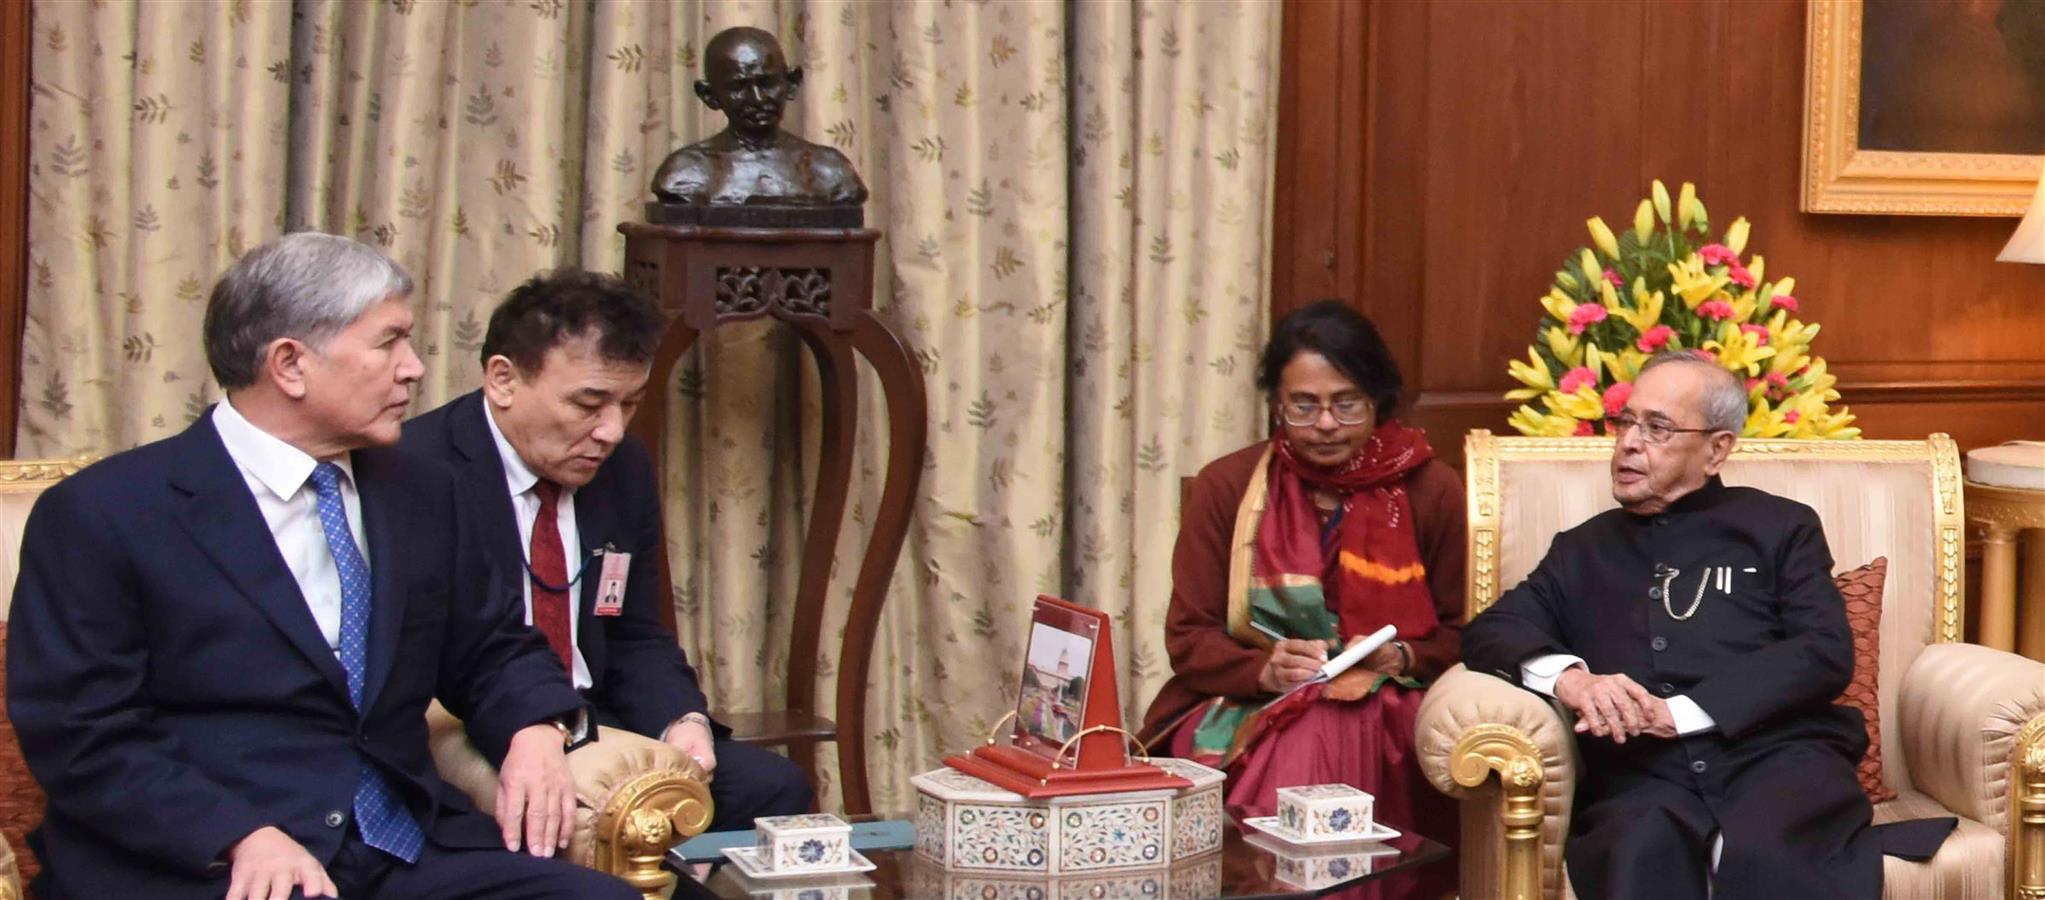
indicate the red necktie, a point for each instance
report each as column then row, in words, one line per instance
column 550, row 569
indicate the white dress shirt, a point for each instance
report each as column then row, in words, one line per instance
column 280, row 476
column 525, row 504
column 1540, row 673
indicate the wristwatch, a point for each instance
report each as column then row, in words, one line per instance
column 1405, row 656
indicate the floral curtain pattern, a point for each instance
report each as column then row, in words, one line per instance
column 1075, row 200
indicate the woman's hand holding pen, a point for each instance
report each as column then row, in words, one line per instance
column 1293, row 662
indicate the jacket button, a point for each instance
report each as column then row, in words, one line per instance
column 1659, row 643
column 1665, row 688
column 1698, row 767
column 335, row 818
column 1654, row 593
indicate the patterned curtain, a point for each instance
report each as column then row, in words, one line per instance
column 1076, row 207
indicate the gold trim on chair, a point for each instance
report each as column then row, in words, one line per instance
column 2027, row 813
column 41, row 472
column 644, row 817
column 1484, row 749
column 1484, row 453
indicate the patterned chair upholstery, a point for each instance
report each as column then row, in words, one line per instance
column 635, row 796
column 1963, row 726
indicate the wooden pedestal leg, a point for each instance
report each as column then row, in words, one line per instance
column 1999, row 588
column 2031, row 602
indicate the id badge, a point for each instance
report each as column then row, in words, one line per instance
column 610, row 585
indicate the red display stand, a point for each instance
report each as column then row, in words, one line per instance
column 1035, row 764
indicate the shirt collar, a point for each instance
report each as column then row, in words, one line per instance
column 277, row 465
column 1704, row 497
column 517, row 475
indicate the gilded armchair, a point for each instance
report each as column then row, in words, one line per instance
column 636, row 797
column 1963, row 726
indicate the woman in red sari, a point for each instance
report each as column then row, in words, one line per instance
column 1290, row 549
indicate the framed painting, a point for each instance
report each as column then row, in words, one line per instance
column 1923, row 107
column 1057, row 671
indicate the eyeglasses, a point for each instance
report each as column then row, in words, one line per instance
column 1307, row 413
column 1653, row 431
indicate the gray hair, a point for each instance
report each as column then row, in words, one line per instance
column 1725, row 399
column 307, row 286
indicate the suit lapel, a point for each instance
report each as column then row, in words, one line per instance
column 387, row 591
column 222, row 517
column 482, row 484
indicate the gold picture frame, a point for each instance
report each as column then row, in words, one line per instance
column 1841, row 177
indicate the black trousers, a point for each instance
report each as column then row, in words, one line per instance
column 753, row 782
column 1794, row 820
column 363, row 872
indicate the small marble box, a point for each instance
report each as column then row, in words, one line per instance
column 797, row 843
column 1324, row 810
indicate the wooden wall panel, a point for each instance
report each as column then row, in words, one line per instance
column 1488, row 130
column 14, row 50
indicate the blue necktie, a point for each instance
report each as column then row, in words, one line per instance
column 383, row 820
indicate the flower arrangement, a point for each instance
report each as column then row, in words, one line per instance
column 1668, row 285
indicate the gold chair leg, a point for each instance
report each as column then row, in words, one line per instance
column 1517, row 760
column 2027, row 813
column 646, row 816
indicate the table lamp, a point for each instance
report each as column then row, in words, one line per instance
column 2028, row 244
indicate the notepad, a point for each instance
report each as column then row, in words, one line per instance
column 1348, row 658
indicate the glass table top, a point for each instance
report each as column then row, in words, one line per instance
column 1248, row 865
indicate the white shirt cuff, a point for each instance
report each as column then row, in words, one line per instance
column 1690, row 718
column 1539, row 674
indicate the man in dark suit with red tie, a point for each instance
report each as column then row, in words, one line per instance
column 223, row 643
column 570, row 506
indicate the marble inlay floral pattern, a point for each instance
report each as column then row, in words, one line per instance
column 930, row 828
column 999, row 837
column 1196, row 823
column 1111, row 836
column 1324, row 809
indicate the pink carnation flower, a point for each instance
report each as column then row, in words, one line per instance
column 1784, row 301
column 1715, row 309
column 1792, row 416
column 1612, row 275
column 1753, row 383
column 1717, row 255
column 1584, row 429
column 1616, row 396
column 1576, row 378
column 1741, row 276
column 1777, row 379
column 1585, row 315
column 1759, row 333
column 1655, row 339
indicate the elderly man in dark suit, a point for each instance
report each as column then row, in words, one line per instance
column 223, row 643
column 570, row 508
column 1696, row 634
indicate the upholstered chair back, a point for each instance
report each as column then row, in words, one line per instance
column 1899, row 499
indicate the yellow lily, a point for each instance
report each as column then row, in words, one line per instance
column 1646, row 310
column 1585, row 404
column 1785, row 286
column 1558, row 304
column 1736, row 237
column 1536, row 377
column 1565, row 280
column 1643, row 221
column 1591, row 269
column 1764, row 422
column 1602, row 236
column 1567, row 349
column 1759, row 269
column 1608, row 295
column 1743, row 307
column 1661, row 200
column 1625, row 365
column 1738, row 350
column 1526, row 420
column 1692, row 283
column 1686, row 208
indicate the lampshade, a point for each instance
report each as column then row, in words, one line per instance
column 2028, row 244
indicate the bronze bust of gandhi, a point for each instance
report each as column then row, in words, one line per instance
column 754, row 173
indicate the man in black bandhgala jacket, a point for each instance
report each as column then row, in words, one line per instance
column 1697, row 635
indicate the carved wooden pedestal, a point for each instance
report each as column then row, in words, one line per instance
column 820, row 282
